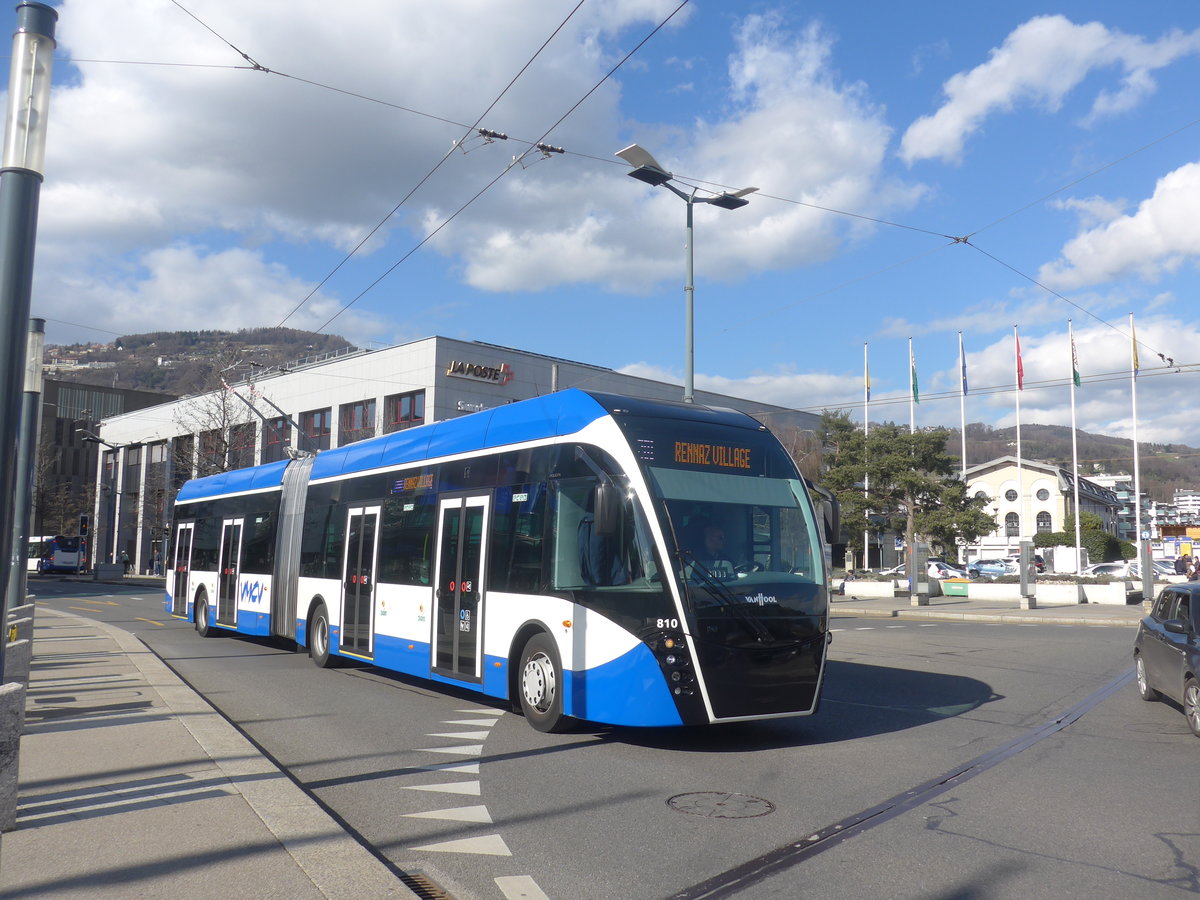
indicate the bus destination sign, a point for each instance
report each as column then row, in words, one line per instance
column 715, row 455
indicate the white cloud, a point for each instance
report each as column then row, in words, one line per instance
column 1158, row 238
column 1039, row 63
column 787, row 123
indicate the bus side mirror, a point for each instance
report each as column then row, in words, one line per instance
column 831, row 513
column 606, row 508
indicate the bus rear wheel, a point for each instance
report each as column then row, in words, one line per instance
column 540, row 685
column 318, row 637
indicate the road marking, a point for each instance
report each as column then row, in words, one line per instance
column 466, row 768
column 482, row 712
column 520, row 887
column 488, row 845
column 151, row 621
column 461, row 735
column 465, row 749
column 457, row 814
column 450, row 787
column 480, row 723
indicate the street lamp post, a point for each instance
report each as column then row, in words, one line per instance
column 647, row 169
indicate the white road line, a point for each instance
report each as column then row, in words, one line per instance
column 465, row 749
column 479, row 723
column 520, row 887
column 457, row 814
column 482, row 712
column 466, row 768
column 461, row 735
column 451, row 787
column 488, row 845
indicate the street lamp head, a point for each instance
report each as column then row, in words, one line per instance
column 645, row 166
column 652, row 176
column 732, row 199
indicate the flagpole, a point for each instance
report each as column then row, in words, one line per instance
column 962, row 405
column 1137, row 479
column 1075, row 452
column 1020, row 473
column 866, row 460
column 912, row 394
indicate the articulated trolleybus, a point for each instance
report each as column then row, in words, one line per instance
column 583, row 555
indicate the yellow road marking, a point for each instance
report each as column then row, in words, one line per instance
column 151, row 621
column 83, row 608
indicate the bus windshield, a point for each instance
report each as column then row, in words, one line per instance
column 738, row 535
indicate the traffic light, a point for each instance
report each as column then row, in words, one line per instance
column 84, row 521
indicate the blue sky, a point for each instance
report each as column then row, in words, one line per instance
column 190, row 193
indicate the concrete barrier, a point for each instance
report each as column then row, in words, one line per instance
column 107, row 571
column 12, row 719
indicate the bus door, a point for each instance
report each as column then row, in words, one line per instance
column 183, row 565
column 458, row 599
column 358, row 580
column 228, row 567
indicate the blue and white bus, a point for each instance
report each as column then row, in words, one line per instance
column 56, row 553
column 548, row 552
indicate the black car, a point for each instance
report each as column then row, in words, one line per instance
column 1166, row 652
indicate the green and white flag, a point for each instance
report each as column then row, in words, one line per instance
column 912, row 364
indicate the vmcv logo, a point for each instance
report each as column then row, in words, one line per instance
column 252, row 592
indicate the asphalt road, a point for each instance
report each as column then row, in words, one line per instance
column 948, row 760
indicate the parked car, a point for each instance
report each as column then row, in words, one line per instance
column 1166, row 651
column 1038, row 562
column 1113, row 569
column 991, row 568
column 936, row 569
column 1125, row 569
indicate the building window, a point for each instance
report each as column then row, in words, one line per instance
column 241, row 445
column 277, row 434
column 1043, row 494
column 1010, row 495
column 316, row 425
column 1043, row 522
column 356, row 421
column 981, row 495
column 1012, row 525
column 403, row 411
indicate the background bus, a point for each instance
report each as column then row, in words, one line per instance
column 56, row 553
column 549, row 552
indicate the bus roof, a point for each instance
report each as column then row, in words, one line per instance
column 553, row 415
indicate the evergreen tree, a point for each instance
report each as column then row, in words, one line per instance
column 897, row 480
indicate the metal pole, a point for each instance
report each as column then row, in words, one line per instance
column 20, row 186
column 26, row 457
column 689, row 291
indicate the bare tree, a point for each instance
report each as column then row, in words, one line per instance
column 223, row 423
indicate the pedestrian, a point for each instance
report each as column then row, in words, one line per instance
column 1193, row 568
column 125, row 560
column 158, row 562
column 1181, row 564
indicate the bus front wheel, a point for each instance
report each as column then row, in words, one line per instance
column 318, row 637
column 203, row 624
column 541, row 685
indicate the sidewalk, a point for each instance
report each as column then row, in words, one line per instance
column 132, row 786
column 1006, row 612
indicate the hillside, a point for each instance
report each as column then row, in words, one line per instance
column 185, row 362
column 1164, row 467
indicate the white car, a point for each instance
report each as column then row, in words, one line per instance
column 936, row 569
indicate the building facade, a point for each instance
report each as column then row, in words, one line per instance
column 328, row 403
column 1037, row 500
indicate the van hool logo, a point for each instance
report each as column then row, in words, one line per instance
column 761, row 599
column 501, row 374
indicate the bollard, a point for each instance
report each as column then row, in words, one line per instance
column 12, row 718
column 17, row 657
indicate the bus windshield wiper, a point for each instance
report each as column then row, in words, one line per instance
column 726, row 598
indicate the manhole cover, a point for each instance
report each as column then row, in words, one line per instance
column 720, row 805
